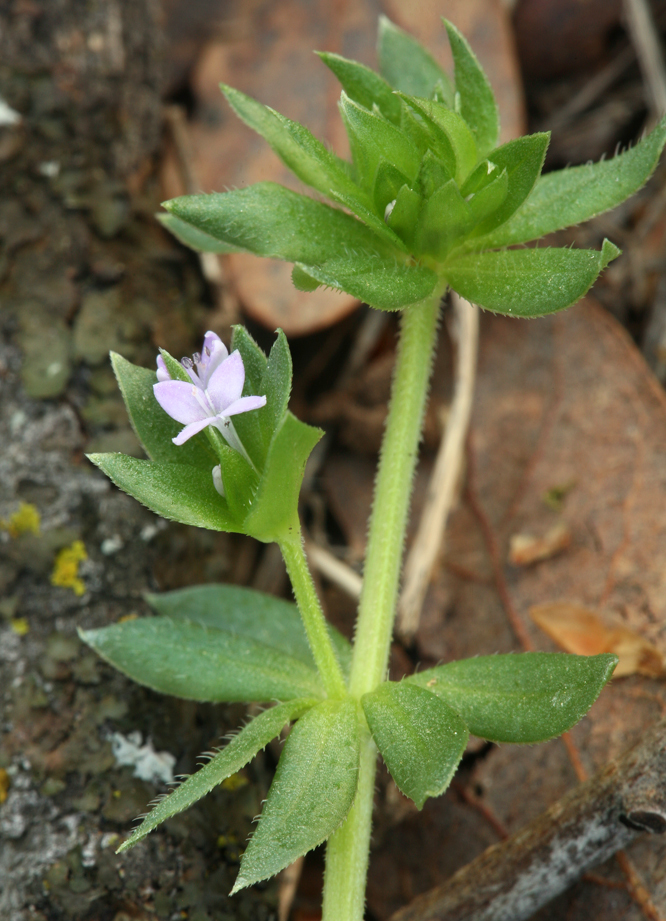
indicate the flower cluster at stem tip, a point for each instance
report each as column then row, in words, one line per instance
column 212, row 398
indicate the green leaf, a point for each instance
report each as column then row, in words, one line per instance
column 450, row 131
column 373, row 139
column 254, row 360
column 198, row 662
column 433, row 174
column 523, row 160
column 311, row 794
column 383, row 283
column 404, row 216
column 174, row 491
column 527, row 282
column 407, row 66
column 574, row 195
column 195, row 239
column 245, row 612
column 445, row 218
column 520, row 697
column 477, row 101
column 302, row 281
column 275, row 507
column 239, row 479
column 235, row 755
column 488, row 199
column 268, row 220
column 420, row 737
column 154, row 428
column 255, row 428
column 370, row 218
column 298, row 149
column 363, row 85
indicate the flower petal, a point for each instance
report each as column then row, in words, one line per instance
column 162, row 370
column 213, row 353
column 226, row 383
column 179, row 400
column 244, row 405
column 192, row 429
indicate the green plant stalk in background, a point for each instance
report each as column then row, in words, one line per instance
column 431, row 202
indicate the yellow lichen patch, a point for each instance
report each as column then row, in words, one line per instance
column 66, row 568
column 20, row 626
column 25, row 520
column 5, row 783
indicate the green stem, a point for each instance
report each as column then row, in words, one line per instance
column 349, row 847
column 393, row 490
column 313, row 616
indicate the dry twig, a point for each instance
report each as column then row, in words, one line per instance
column 446, row 473
column 334, row 570
column 514, row 878
column 644, row 35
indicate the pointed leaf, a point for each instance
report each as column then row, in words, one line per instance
column 382, row 283
column 523, row 160
column 174, row 491
column 275, row 508
column 302, row 281
column 195, row 239
column 198, row 662
column 488, row 199
column 444, row 219
column 433, row 174
column 154, row 428
column 527, row 282
column 521, row 697
column 372, row 139
column 268, row 220
column 311, row 794
column 375, row 223
column 477, row 101
column 234, row 756
column 239, row 480
column 403, row 217
column 421, row 738
column 407, row 66
column 245, row 612
column 255, row 429
column 254, row 360
column 363, row 85
column 571, row 196
column 454, row 132
column 298, row 149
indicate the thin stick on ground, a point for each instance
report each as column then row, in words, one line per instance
column 645, row 37
column 514, row 878
column 446, row 474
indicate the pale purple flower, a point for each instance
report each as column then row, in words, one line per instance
column 213, row 396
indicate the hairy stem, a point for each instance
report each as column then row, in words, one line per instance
column 348, row 847
column 313, row 616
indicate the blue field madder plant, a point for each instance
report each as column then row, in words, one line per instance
column 428, row 202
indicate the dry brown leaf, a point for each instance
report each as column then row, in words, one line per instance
column 525, row 549
column 580, row 630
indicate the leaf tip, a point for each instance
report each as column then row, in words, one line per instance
column 241, row 883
